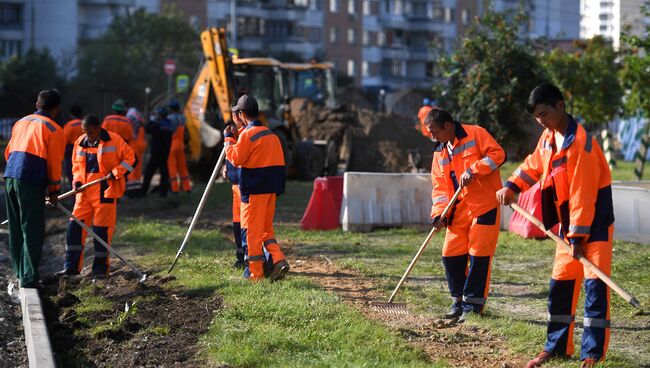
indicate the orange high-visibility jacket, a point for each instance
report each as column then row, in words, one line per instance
column 113, row 156
column 474, row 150
column 120, row 125
column 576, row 183
column 259, row 160
column 72, row 131
column 35, row 151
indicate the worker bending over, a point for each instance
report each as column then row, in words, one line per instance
column 257, row 154
column 577, row 193
column 34, row 155
column 176, row 163
column 465, row 156
column 118, row 123
column 97, row 154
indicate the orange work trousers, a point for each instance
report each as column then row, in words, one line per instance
column 470, row 244
column 99, row 214
column 139, row 146
column 568, row 274
column 257, row 213
column 178, row 169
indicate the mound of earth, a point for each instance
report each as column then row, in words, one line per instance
column 368, row 141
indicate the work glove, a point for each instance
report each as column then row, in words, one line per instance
column 439, row 223
column 576, row 247
column 466, row 178
column 110, row 176
column 76, row 185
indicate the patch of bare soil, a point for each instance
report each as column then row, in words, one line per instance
column 161, row 329
column 459, row 345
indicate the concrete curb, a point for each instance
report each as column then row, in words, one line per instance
column 39, row 349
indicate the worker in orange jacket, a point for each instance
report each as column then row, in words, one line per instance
column 176, row 161
column 118, row 123
column 257, row 154
column 97, row 154
column 465, row 156
column 71, row 131
column 139, row 146
column 34, row 155
column 577, row 193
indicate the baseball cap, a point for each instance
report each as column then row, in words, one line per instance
column 248, row 105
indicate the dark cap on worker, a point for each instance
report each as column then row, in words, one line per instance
column 248, row 105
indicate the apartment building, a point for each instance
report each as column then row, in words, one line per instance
column 610, row 18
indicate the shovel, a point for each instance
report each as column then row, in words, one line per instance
column 601, row 275
column 400, row 308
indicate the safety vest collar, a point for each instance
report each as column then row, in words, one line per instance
column 103, row 136
column 253, row 123
column 43, row 113
column 569, row 136
column 460, row 131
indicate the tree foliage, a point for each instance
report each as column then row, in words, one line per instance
column 131, row 54
column 490, row 76
column 588, row 77
column 22, row 77
column 635, row 70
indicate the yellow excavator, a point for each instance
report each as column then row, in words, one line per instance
column 282, row 91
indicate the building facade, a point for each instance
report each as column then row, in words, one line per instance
column 610, row 18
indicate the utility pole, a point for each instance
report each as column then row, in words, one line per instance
column 233, row 24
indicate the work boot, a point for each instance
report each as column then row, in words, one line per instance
column 66, row 272
column 589, row 363
column 540, row 359
column 238, row 265
column 455, row 311
column 463, row 317
column 280, row 270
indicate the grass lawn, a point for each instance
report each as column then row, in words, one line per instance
column 297, row 323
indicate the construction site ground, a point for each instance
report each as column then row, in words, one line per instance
column 205, row 314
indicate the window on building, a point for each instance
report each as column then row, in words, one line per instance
column 334, row 6
column 314, row 5
column 365, row 38
column 396, row 68
column 464, row 16
column 9, row 48
column 11, row 15
column 365, row 69
column 351, row 39
column 334, row 33
column 381, row 38
column 438, row 12
column 419, row 9
column 351, row 68
column 366, row 7
column 449, row 15
column 301, row 3
column 398, row 7
column 351, row 4
column 313, row 34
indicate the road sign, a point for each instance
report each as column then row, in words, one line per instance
column 182, row 83
column 170, row 66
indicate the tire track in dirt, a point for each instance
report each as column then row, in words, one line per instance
column 459, row 345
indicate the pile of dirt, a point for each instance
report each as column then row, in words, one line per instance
column 160, row 329
column 368, row 141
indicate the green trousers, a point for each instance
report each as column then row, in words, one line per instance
column 26, row 214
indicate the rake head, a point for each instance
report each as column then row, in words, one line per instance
column 390, row 308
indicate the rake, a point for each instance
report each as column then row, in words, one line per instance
column 601, row 275
column 400, row 308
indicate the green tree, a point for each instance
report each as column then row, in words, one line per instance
column 131, row 54
column 22, row 77
column 635, row 77
column 588, row 77
column 490, row 76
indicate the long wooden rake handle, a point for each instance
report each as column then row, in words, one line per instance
column 424, row 245
column 199, row 209
column 601, row 275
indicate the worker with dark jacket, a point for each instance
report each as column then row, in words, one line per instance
column 71, row 131
column 161, row 131
column 257, row 155
column 97, row 154
column 34, row 156
column 577, row 193
column 466, row 156
column 232, row 176
column 118, row 123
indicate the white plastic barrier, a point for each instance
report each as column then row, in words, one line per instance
column 378, row 199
